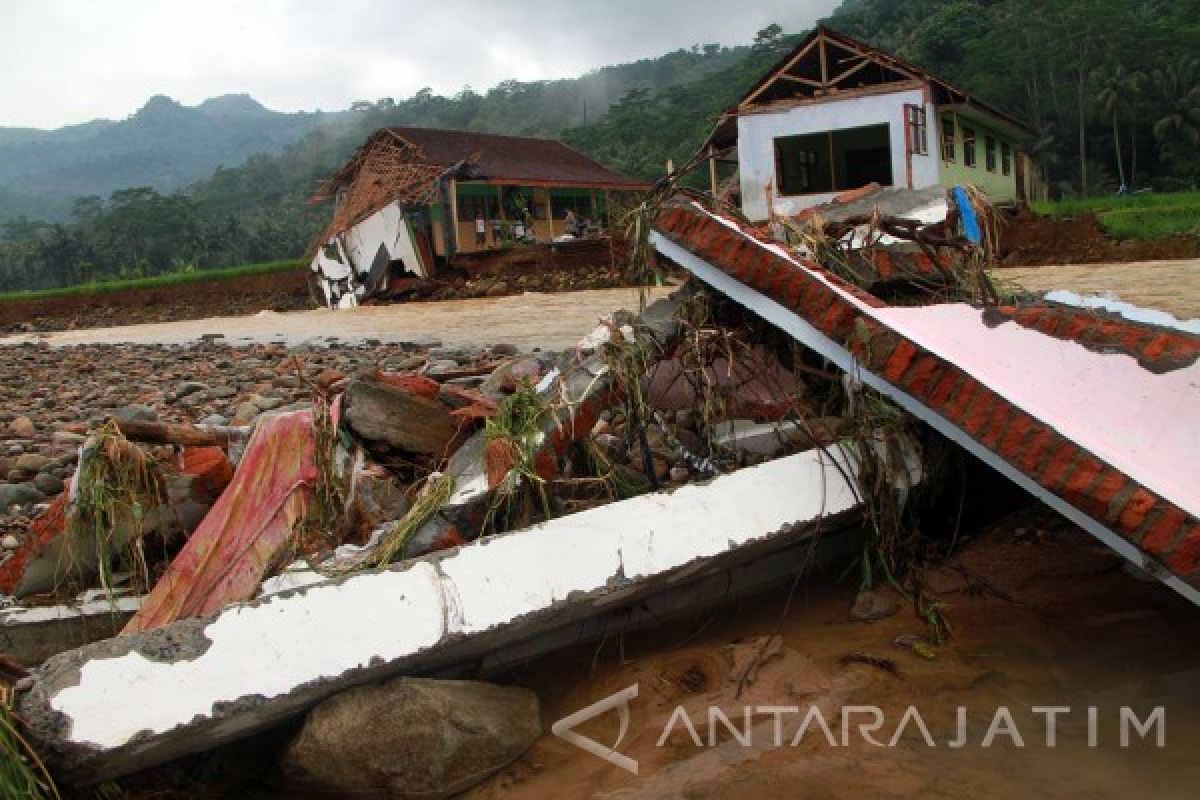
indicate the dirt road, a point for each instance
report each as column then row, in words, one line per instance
column 1172, row 286
column 549, row 321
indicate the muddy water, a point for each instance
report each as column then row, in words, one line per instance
column 1049, row 619
column 549, row 321
column 1172, row 286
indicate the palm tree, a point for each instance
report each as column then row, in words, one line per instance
column 1116, row 89
column 1177, row 87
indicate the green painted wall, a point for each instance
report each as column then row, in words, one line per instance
column 999, row 187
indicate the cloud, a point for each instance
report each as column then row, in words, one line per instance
column 68, row 61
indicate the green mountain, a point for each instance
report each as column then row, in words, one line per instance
column 164, row 145
column 1112, row 88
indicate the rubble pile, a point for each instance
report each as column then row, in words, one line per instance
column 501, row 500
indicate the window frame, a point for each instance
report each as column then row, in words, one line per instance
column 1006, row 158
column 916, row 124
column 948, row 140
column 970, row 156
column 989, row 153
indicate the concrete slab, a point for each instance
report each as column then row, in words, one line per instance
column 120, row 705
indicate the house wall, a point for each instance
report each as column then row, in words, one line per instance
column 757, row 134
column 1000, row 188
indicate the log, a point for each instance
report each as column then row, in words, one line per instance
column 181, row 433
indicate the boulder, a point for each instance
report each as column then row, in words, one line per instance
column 135, row 413
column 23, row 427
column 31, row 462
column 411, row 738
column 379, row 411
column 18, row 494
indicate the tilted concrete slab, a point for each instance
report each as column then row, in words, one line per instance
column 31, row 634
column 120, row 705
column 1097, row 416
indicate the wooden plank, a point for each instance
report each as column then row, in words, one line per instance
column 798, row 79
column 791, row 62
column 864, row 63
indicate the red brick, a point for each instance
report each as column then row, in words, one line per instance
column 779, row 282
column 1078, row 487
column 1087, row 469
column 1002, row 414
column 1057, row 466
column 1162, row 534
column 836, row 320
column 1028, row 316
column 944, row 389
column 760, row 278
column 1031, row 456
column 793, row 292
column 1135, row 510
column 1108, row 486
column 1015, row 436
column 1076, row 325
column 919, row 376
column 1047, row 324
column 979, row 412
column 1157, row 346
column 1185, row 560
column 898, row 362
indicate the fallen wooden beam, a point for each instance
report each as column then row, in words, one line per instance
column 182, row 433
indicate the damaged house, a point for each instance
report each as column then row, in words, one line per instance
column 836, row 114
column 412, row 201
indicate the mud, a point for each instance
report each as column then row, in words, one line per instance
column 1041, row 616
column 1029, row 240
column 280, row 291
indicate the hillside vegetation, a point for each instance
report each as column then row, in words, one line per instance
column 1112, row 88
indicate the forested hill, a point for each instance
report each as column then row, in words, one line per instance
column 1112, row 88
column 164, row 145
column 1086, row 73
column 167, row 146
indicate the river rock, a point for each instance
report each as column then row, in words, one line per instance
column 18, row 494
column 411, row 738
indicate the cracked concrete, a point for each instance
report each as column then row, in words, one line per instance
column 255, row 664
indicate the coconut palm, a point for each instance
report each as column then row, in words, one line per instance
column 1177, row 87
column 1116, row 89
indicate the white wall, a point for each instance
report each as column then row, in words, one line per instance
column 386, row 226
column 757, row 134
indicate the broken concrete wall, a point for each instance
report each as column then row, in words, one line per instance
column 219, row 678
column 371, row 245
column 1093, row 434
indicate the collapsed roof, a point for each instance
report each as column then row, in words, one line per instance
column 404, row 164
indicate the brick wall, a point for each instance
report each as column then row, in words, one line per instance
column 838, row 310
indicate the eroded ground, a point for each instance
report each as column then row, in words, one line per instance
column 1042, row 616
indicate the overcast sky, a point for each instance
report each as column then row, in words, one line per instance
column 67, row 61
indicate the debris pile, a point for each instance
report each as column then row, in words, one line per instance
column 505, row 503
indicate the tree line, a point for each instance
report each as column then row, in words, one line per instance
column 1111, row 89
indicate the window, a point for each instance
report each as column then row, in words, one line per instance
column 799, row 167
column 833, row 161
column 918, row 130
column 989, row 152
column 968, row 146
column 1005, row 158
column 948, row 139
